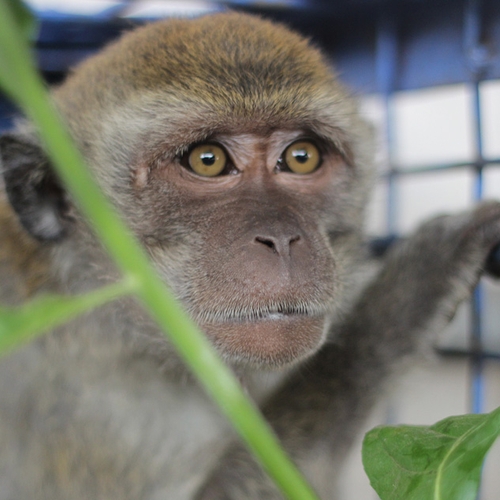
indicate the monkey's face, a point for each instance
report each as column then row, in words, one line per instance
column 260, row 276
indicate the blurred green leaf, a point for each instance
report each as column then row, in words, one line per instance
column 24, row 18
column 21, row 324
column 6, row 81
column 27, row 25
column 440, row 462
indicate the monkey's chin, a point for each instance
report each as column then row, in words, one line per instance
column 272, row 341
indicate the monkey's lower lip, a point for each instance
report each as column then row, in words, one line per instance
column 274, row 339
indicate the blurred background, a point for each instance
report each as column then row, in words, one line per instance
column 427, row 74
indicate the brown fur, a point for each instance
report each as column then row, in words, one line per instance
column 24, row 263
column 192, row 58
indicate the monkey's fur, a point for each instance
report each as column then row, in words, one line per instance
column 261, row 257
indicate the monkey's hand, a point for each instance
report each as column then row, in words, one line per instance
column 427, row 276
column 422, row 282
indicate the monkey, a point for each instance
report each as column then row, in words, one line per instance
column 243, row 166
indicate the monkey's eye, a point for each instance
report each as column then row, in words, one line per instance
column 302, row 157
column 207, row 160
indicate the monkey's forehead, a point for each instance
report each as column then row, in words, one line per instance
column 227, row 72
column 214, row 58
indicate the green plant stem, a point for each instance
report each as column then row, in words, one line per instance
column 190, row 343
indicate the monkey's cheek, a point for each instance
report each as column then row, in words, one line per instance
column 267, row 342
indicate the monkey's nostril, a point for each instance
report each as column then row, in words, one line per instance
column 266, row 241
column 278, row 245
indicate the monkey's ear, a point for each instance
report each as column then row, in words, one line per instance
column 33, row 189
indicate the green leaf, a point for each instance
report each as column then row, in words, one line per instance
column 21, row 324
column 440, row 462
column 17, row 14
column 25, row 21
column 7, row 82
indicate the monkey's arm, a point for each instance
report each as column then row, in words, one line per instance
column 417, row 291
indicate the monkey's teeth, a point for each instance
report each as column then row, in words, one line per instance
column 273, row 316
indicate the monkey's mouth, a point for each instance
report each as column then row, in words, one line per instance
column 273, row 339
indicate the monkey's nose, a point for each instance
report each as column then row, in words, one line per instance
column 279, row 245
